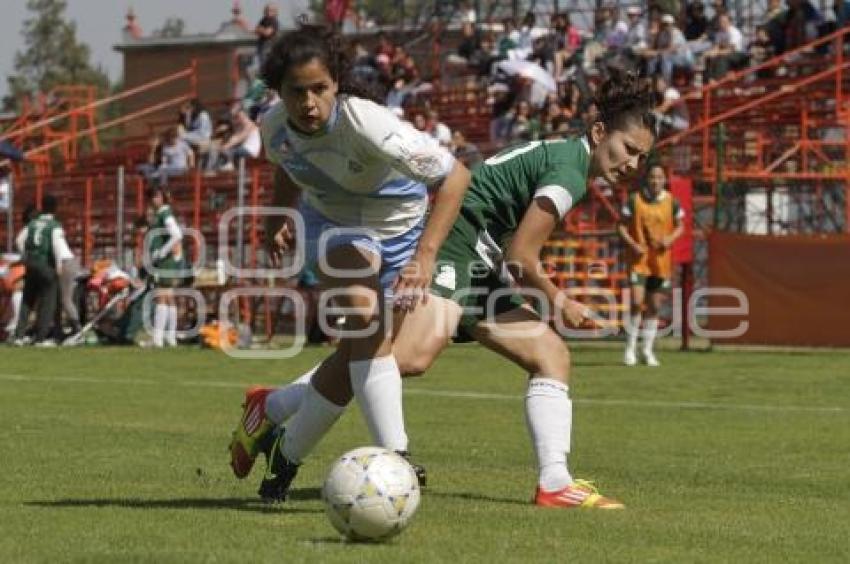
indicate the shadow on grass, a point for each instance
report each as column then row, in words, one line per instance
column 228, row 503
column 466, row 496
column 340, row 541
column 305, row 494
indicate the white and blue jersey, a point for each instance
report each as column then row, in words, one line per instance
column 366, row 169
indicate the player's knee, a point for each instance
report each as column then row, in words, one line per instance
column 414, row 366
column 552, row 359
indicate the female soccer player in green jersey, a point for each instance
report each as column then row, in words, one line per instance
column 514, row 203
column 168, row 264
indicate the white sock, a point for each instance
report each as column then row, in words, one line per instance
column 549, row 414
column 377, row 386
column 282, row 403
column 17, row 298
column 171, row 327
column 310, row 423
column 160, row 320
column 650, row 330
column 632, row 327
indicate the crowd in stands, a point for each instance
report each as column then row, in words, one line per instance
column 540, row 76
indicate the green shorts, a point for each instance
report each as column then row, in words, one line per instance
column 171, row 272
column 469, row 279
column 651, row 283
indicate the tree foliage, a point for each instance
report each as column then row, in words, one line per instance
column 52, row 55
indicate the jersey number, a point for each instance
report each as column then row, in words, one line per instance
column 36, row 236
column 506, row 156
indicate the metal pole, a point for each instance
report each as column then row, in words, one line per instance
column 240, row 218
column 718, row 172
column 685, row 269
column 119, row 223
column 10, row 217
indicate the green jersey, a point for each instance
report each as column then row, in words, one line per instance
column 160, row 238
column 504, row 185
column 39, row 242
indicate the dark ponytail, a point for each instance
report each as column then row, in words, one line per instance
column 624, row 99
column 310, row 42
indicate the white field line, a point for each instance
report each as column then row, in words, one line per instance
column 451, row 394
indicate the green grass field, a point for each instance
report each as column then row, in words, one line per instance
column 120, row 455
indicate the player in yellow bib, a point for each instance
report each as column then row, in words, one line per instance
column 651, row 222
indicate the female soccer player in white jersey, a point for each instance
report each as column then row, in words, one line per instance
column 520, row 196
column 361, row 176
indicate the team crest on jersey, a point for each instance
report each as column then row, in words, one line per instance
column 446, row 277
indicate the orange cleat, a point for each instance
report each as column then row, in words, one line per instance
column 581, row 494
column 254, row 427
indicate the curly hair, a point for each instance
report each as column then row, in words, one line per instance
column 624, row 99
column 310, row 42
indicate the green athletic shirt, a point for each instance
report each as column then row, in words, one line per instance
column 503, row 187
column 39, row 242
column 161, row 237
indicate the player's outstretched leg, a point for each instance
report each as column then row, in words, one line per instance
column 253, row 433
column 522, row 337
column 279, row 473
column 263, row 409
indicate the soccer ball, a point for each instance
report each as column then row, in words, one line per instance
column 371, row 494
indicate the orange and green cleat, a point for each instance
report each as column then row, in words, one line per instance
column 581, row 494
column 248, row 437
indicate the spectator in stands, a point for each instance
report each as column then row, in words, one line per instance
column 802, row 21
column 177, row 157
column 555, row 123
column 718, row 8
column 404, row 67
column 728, row 51
column 150, row 166
column 266, row 30
column 616, row 38
column 760, row 50
column 420, row 122
column 509, row 39
column 705, row 42
column 469, row 43
column 695, row 20
column 463, row 150
column 397, row 94
column 243, row 141
column 670, row 50
column 439, row 130
column 567, row 43
column 40, row 243
column 671, row 113
column 385, row 46
column 596, row 47
column 524, row 126
column 527, row 35
column 774, row 21
column 636, row 34
column 487, row 55
column 196, row 127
